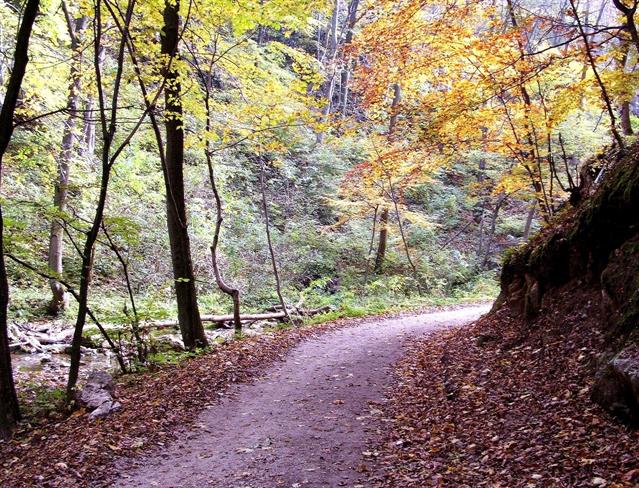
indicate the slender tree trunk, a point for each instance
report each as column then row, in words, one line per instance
column 383, row 239
column 629, row 13
column 56, row 237
column 403, row 236
column 9, row 409
column 348, row 62
column 233, row 292
column 267, row 224
column 371, row 245
column 383, row 219
column 593, row 65
column 626, row 124
column 530, row 158
column 135, row 320
column 529, row 219
column 491, row 233
column 109, row 127
column 90, row 118
column 482, row 220
column 624, row 109
column 328, row 89
column 185, row 289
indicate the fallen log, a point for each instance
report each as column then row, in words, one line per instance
column 26, row 342
column 216, row 318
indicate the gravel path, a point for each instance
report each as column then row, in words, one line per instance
column 305, row 423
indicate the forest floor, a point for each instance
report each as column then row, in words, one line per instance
column 296, row 404
column 506, row 403
column 305, row 423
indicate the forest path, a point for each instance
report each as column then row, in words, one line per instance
column 304, row 423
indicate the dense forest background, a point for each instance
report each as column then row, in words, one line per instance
column 295, row 154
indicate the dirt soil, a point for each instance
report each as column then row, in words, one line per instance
column 305, row 423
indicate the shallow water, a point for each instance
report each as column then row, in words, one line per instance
column 52, row 369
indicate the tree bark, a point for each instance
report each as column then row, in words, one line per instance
column 328, row 89
column 403, row 236
column 493, row 224
column 629, row 13
column 67, row 152
column 185, row 290
column 383, row 239
column 9, row 408
column 89, row 129
column 348, row 62
column 371, row 245
column 626, row 123
column 233, row 292
column 109, row 127
column 267, row 224
column 604, row 92
column 529, row 219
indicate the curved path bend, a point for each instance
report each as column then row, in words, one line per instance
column 304, row 423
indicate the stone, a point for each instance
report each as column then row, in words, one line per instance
column 168, row 342
column 532, row 299
column 617, row 386
column 97, row 395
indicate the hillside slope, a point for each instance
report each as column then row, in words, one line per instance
column 508, row 401
column 593, row 251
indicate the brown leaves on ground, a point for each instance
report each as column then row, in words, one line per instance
column 502, row 403
column 79, row 452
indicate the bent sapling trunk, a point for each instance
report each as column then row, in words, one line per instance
column 267, row 224
column 234, row 293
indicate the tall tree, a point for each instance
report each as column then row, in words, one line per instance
column 9, row 409
column 629, row 12
column 602, row 87
column 108, row 111
column 67, row 151
column 185, row 290
column 383, row 218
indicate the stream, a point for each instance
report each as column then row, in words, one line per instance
column 51, row 370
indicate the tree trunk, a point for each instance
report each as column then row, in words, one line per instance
column 383, row 238
column 348, row 62
column 403, row 236
column 108, row 123
column 328, row 89
column 529, row 219
column 626, row 124
column 234, row 293
column 56, row 237
column 9, row 409
column 604, row 92
column 491, row 233
column 88, row 132
column 629, row 13
column 185, row 290
column 267, row 224
column 371, row 245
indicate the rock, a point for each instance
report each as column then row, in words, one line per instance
column 483, row 339
column 221, row 336
column 532, row 299
column 45, row 358
column 97, row 395
column 515, row 296
column 168, row 342
column 105, row 409
column 617, row 386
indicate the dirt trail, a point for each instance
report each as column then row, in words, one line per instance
column 304, row 423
